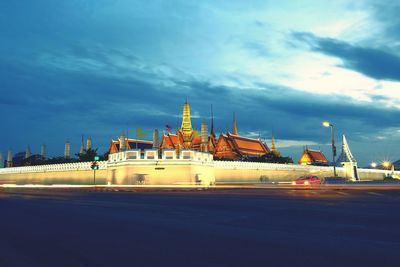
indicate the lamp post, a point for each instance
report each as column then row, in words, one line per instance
column 328, row 124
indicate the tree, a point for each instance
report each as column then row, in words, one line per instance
column 88, row 155
column 269, row 158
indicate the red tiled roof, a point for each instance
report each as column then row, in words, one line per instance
column 196, row 141
column 316, row 155
column 240, row 146
column 169, row 140
column 248, row 145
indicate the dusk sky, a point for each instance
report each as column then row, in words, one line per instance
column 98, row 67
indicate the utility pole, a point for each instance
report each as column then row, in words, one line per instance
column 328, row 124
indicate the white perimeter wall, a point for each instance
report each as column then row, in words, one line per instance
column 66, row 173
column 174, row 171
column 244, row 172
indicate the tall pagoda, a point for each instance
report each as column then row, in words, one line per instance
column 186, row 129
column 185, row 137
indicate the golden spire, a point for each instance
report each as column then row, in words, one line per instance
column 186, row 128
column 234, row 130
column 273, row 145
column 186, row 122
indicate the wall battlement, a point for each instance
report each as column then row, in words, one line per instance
column 63, row 167
column 153, row 155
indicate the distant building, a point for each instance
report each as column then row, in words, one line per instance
column 43, row 151
column 313, row 157
column 89, row 143
column 9, row 162
column 396, row 165
column 67, row 150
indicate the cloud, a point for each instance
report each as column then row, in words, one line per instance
column 373, row 62
column 102, row 102
column 387, row 13
column 258, row 48
column 99, row 67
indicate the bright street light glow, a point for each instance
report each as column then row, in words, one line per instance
column 374, row 165
column 326, row 124
column 386, row 164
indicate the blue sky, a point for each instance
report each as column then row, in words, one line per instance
column 97, row 67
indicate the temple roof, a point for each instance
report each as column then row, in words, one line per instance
column 316, row 156
column 248, row 145
column 244, row 146
column 169, row 140
column 131, row 144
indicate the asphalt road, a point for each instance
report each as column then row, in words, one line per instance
column 191, row 227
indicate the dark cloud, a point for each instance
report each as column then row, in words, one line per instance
column 57, row 104
column 372, row 62
column 387, row 13
column 51, row 105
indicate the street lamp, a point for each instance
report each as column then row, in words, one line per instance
column 328, row 124
column 374, row 165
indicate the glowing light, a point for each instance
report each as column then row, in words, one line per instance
column 374, row 165
column 293, row 183
column 306, row 182
column 327, row 124
column 386, row 164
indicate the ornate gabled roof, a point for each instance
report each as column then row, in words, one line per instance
column 196, row 141
column 169, row 141
column 310, row 156
column 317, row 155
column 235, row 146
column 130, row 144
column 247, row 145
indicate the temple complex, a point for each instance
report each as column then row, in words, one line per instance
column 313, row 157
column 230, row 145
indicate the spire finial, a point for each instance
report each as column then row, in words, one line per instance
column 273, row 144
column 212, row 121
column 234, row 130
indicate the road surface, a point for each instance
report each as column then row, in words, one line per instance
column 192, row 227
